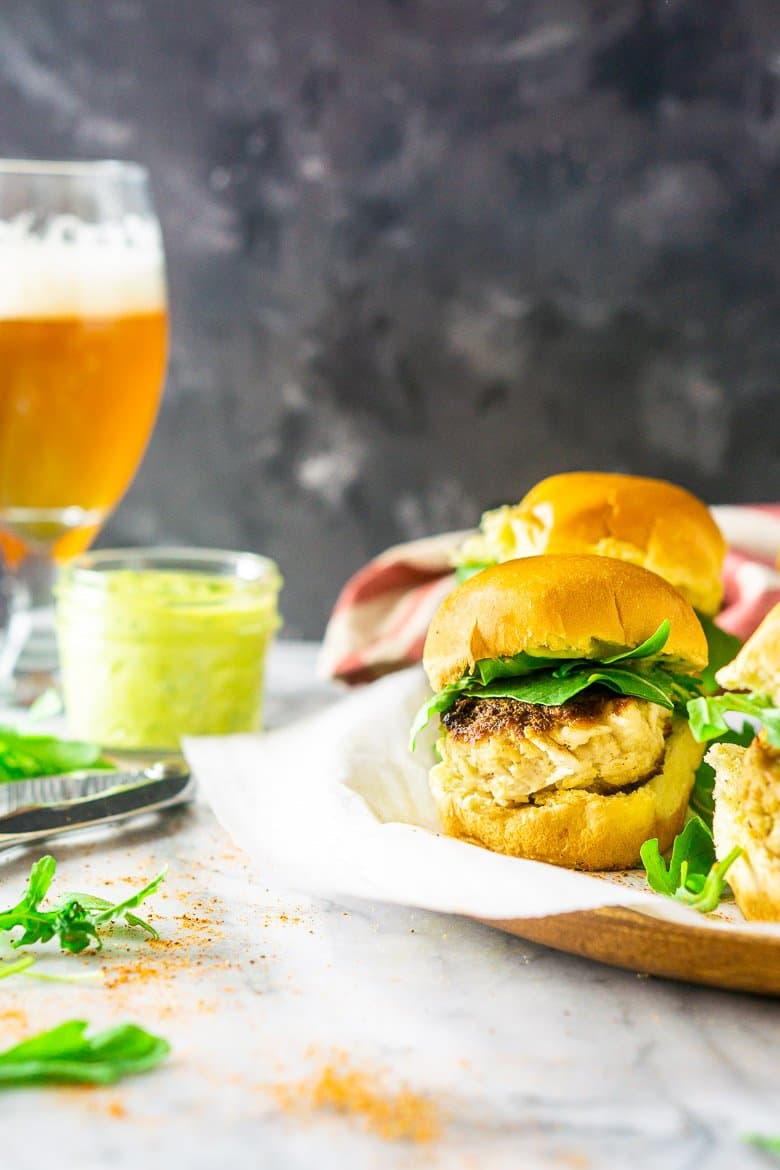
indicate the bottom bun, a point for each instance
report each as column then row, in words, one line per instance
column 747, row 813
column 575, row 828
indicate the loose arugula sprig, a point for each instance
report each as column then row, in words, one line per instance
column 23, row 756
column 67, row 1055
column 17, row 966
column 707, row 715
column 693, row 876
column 75, row 920
column 553, row 681
column 22, row 965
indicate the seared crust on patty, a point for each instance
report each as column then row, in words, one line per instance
column 472, row 718
column 512, row 750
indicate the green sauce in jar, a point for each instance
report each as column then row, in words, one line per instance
column 161, row 643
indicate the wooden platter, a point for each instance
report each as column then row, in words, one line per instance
column 729, row 959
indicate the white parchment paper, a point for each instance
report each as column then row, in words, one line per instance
column 336, row 804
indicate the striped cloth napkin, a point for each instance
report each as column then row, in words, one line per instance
column 382, row 614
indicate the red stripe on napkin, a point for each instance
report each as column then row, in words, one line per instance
column 375, row 580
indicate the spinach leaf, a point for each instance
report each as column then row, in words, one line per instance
column 24, row 756
column 65, row 1054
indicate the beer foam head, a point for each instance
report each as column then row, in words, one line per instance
column 78, row 269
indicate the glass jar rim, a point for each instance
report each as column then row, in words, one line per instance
column 75, row 168
column 91, row 568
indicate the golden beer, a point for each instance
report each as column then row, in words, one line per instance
column 83, row 338
column 78, row 401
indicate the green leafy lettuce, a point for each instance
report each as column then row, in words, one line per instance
column 693, row 876
column 76, row 919
column 551, row 682
column 66, row 1054
column 707, row 715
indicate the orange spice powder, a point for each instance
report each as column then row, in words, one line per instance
column 394, row 1115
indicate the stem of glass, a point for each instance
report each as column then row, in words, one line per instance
column 28, row 658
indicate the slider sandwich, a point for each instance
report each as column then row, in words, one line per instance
column 648, row 522
column 746, row 792
column 561, row 683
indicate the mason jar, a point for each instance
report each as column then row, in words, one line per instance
column 159, row 643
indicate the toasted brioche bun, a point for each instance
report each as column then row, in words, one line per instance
column 747, row 814
column 757, row 666
column 562, row 607
column 646, row 521
column 573, row 827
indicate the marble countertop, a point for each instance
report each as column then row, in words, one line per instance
column 526, row 1057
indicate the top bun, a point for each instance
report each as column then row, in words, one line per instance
column 559, row 607
column 757, row 666
column 647, row 521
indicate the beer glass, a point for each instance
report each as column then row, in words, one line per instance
column 83, row 340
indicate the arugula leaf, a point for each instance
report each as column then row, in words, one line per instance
column 705, row 895
column 65, row 1054
column 436, row 705
column 488, row 669
column 106, row 911
column 24, row 756
column 693, row 875
column 22, row 965
column 693, row 847
column 74, row 920
column 707, row 715
column 701, row 801
column 722, row 647
column 652, row 645
column 552, row 681
column 552, row 690
column 65, row 977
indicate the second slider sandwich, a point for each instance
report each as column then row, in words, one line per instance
column 648, row 522
column 560, row 683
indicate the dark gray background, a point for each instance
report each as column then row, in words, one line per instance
column 424, row 252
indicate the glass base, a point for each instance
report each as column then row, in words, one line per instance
column 29, row 662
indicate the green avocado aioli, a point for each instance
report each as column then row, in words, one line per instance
column 152, row 654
